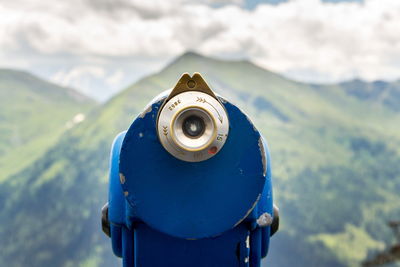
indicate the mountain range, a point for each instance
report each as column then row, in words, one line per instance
column 335, row 161
column 33, row 114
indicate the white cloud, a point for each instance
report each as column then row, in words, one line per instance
column 305, row 39
column 65, row 78
column 337, row 40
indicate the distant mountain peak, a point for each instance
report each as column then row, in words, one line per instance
column 196, row 57
column 191, row 53
column 189, row 56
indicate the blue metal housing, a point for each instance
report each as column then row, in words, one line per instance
column 168, row 212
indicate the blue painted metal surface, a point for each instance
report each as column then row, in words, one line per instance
column 167, row 212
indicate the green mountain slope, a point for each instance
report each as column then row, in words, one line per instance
column 382, row 92
column 335, row 158
column 33, row 114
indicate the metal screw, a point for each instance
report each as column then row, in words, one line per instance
column 191, row 84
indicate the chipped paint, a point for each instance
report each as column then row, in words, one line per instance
column 122, row 178
column 147, row 110
column 246, row 260
column 249, row 211
column 126, row 193
column 251, row 123
column 222, row 100
column 140, row 135
column 248, row 241
column 263, row 158
column 264, row 220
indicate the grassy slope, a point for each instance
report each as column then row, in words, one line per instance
column 335, row 165
column 33, row 114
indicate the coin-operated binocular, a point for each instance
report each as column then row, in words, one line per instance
column 190, row 184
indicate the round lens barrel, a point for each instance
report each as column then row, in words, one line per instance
column 193, row 126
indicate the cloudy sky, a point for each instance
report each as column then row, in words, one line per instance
column 100, row 46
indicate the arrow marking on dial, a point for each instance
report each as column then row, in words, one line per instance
column 203, row 100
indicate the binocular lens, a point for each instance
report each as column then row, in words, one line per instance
column 190, row 124
column 193, row 126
